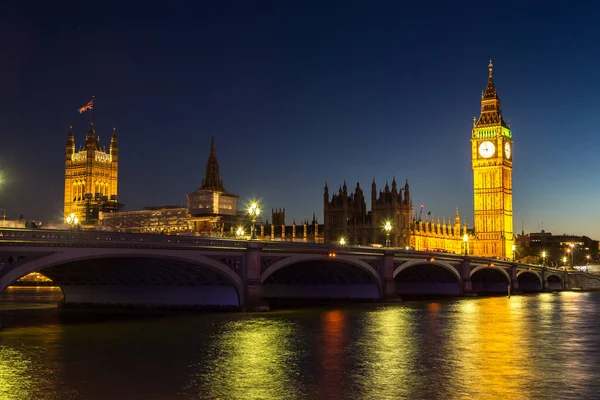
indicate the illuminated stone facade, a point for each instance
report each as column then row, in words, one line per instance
column 491, row 154
column 91, row 176
column 346, row 216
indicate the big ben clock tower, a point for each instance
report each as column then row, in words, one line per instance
column 491, row 155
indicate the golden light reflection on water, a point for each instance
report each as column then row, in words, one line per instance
column 25, row 372
column 386, row 353
column 334, row 350
column 491, row 356
column 14, row 371
column 255, row 360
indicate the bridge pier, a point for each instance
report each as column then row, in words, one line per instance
column 544, row 280
column 466, row 286
column 252, row 298
column 514, row 282
column 389, row 284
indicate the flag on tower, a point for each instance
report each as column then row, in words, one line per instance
column 88, row 106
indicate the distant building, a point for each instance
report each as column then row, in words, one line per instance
column 578, row 250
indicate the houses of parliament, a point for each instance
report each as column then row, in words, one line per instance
column 91, row 176
column 346, row 213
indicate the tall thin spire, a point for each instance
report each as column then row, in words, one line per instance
column 212, row 180
column 491, row 112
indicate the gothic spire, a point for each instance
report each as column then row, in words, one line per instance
column 491, row 112
column 212, row 181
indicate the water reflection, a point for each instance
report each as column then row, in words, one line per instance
column 333, row 353
column 385, row 354
column 538, row 346
column 25, row 369
column 252, row 358
column 491, row 358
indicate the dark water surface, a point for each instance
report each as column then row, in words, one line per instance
column 544, row 346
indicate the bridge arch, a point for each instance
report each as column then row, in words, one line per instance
column 320, row 276
column 529, row 281
column 420, row 277
column 198, row 280
column 555, row 282
column 489, row 279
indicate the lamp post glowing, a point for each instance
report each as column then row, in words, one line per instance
column 387, row 228
column 572, row 251
column 466, row 240
column 342, row 241
column 240, row 231
column 514, row 250
column 544, row 258
column 564, row 263
column 254, row 212
column 587, row 258
column 72, row 220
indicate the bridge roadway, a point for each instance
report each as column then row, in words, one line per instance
column 148, row 270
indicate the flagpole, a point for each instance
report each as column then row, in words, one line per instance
column 93, row 108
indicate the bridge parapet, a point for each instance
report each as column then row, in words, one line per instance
column 111, row 239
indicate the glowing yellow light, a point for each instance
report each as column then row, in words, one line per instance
column 387, row 226
column 466, row 238
column 240, row 231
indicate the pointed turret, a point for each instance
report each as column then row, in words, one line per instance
column 373, row 194
column 407, row 199
column 491, row 112
column 212, row 181
column 114, row 146
column 91, row 141
column 457, row 223
column 326, row 194
column 70, row 144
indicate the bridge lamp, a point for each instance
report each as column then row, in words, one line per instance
column 387, row 227
column 72, row 220
column 342, row 241
column 572, row 251
column 254, row 212
column 587, row 258
column 544, row 254
column 240, row 231
column 466, row 240
column 514, row 248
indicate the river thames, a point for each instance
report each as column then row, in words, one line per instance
column 544, row 346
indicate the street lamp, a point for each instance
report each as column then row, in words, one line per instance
column 514, row 250
column 565, row 263
column 544, row 254
column 587, row 258
column 254, row 212
column 240, row 231
column 342, row 241
column 72, row 220
column 572, row 245
column 466, row 240
column 388, row 228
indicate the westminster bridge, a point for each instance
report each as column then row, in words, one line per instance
column 149, row 270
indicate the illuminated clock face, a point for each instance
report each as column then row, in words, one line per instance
column 507, row 150
column 487, row 149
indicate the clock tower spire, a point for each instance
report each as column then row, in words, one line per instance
column 491, row 157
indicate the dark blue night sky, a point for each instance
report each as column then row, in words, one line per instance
column 298, row 93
